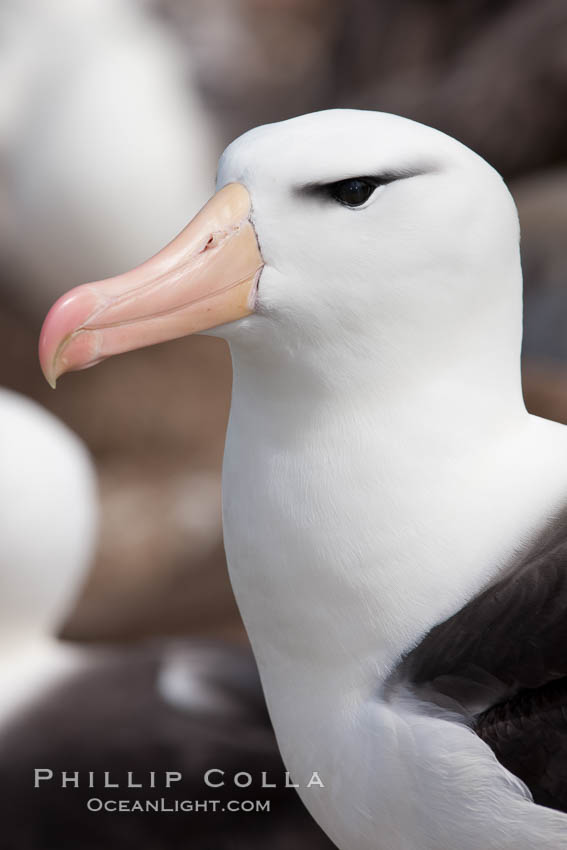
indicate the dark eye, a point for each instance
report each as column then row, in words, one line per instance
column 352, row 192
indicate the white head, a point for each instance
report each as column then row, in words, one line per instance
column 424, row 272
column 422, row 275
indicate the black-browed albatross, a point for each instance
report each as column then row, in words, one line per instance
column 393, row 516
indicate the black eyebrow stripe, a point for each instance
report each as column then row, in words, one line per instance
column 381, row 179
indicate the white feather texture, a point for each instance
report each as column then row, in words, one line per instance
column 48, row 524
column 380, row 466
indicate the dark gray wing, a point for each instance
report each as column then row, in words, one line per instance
column 528, row 735
column 502, row 660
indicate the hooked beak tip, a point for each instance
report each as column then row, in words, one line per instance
column 47, row 362
column 68, row 314
column 49, row 368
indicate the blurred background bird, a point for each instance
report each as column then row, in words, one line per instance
column 48, row 530
column 112, row 116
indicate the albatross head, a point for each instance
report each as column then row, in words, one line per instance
column 349, row 235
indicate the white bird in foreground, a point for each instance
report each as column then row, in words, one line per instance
column 393, row 516
column 48, row 524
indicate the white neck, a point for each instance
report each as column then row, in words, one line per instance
column 379, row 456
column 394, row 468
column 350, row 530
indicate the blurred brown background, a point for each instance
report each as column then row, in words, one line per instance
column 493, row 74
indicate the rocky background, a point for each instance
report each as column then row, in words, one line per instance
column 493, row 74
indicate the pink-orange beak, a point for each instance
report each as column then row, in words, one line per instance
column 206, row 277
